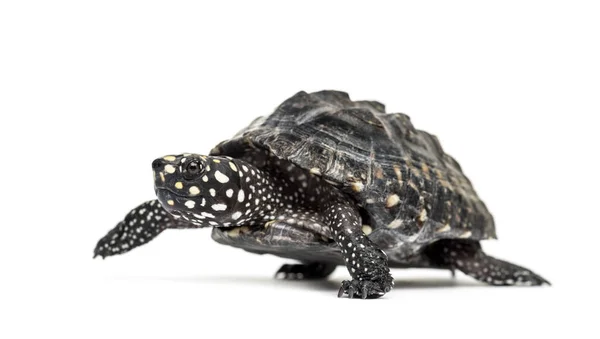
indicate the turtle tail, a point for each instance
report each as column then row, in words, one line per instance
column 468, row 257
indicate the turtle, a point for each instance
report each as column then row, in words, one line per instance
column 327, row 181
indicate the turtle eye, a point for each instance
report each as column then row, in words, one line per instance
column 192, row 169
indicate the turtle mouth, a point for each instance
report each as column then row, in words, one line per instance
column 168, row 192
column 170, row 200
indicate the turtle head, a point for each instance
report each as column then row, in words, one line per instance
column 203, row 190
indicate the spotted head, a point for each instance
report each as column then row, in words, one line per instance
column 204, row 190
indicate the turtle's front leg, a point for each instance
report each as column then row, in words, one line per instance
column 366, row 263
column 139, row 226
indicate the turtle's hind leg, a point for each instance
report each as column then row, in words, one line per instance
column 313, row 270
column 468, row 257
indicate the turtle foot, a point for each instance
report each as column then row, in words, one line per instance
column 364, row 288
column 305, row 271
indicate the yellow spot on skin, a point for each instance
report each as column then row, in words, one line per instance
column 190, row 204
column 169, row 158
column 395, row 224
column 392, row 201
column 415, row 171
column 445, row 184
column 216, row 161
column 315, row 170
column 467, row 234
column 425, row 170
column 170, row 202
column 423, row 215
column 438, row 174
column 234, row 232
column 445, row 228
column 232, row 165
column 367, row 229
column 398, row 173
column 170, row 169
column 162, row 176
column 178, row 185
column 194, row 190
column 412, row 184
column 379, row 173
column 358, row 186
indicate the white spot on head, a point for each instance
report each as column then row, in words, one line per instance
column 232, row 165
column 236, row 215
column 190, row 204
column 241, row 196
column 229, row 193
column 169, row 169
column 212, row 192
column 169, row 158
column 170, row 202
column 194, row 190
column 222, row 178
column 178, row 185
column 219, row 207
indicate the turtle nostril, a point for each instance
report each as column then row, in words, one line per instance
column 156, row 164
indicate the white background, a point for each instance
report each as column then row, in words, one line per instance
column 92, row 92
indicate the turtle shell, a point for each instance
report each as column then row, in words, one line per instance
column 409, row 190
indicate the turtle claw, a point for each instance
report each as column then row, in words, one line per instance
column 351, row 292
column 363, row 288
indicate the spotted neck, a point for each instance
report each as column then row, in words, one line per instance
column 224, row 192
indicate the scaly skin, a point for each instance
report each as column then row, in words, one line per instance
column 139, row 226
column 199, row 191
column 285, row 209
column 468, row 257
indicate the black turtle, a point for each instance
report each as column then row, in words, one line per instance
column 327, row 181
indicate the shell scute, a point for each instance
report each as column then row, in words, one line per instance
column 373, row 155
